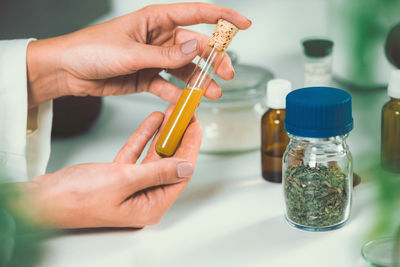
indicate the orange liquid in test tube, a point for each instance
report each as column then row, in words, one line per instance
column 178, row 121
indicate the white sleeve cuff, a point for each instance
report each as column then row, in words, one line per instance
column 21, row 157
column 39, row 141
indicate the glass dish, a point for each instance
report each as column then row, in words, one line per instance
column 379, row 252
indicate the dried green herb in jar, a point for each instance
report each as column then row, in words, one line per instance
column 316, row 196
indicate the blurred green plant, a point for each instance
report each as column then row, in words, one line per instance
column 371, row 20
column 365, row 24
column 20, row 243
column 387, row 213
column 388, row 202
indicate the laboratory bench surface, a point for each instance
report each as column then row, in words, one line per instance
column 227, row 216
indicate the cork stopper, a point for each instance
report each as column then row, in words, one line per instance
column 222, row 35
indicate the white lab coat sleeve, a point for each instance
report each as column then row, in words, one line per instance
column 22, row 156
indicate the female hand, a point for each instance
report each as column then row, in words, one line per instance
column 124, row 193
column 126, row 54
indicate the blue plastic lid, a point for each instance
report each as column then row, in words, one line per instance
column 318, row 112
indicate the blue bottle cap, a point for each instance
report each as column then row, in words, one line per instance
column 318, row 112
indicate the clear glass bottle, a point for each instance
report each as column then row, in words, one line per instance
column 390, row 128
column 317, row 62
column 198, row 82
column 317, row 170
column 274, row 138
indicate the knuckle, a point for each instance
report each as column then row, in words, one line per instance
column 124, row 171
column 167, row 56
column 148, row 8
column 170, row 57
column 142, row 135
column 159, row 176
column 165, row 171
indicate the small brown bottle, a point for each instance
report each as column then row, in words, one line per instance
column 390, row 135
column 274, row 138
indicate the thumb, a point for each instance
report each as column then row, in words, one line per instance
column 173, row 57
column 162, row 172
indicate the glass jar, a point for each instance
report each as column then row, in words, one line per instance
column 317, row 62
column 317, row 170
column 231, row 124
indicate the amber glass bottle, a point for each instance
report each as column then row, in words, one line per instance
column 274, row 138
column 390, row 137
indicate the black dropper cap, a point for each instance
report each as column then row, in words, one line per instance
column 317, row 47
column 392, row 46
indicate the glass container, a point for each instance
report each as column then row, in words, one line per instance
column 380, row 252
column 317, row 169
column 231, row 124
column 317, row 62
column 274, row 138
column 390, row 126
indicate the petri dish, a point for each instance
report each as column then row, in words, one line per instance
column 379, row 252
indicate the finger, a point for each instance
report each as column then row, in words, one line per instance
column 133, row 148
column 133, row 83
column 162, row 172
column 155, row 85
column 147, row 207
column 151, row 153
column 185, row 14
column 164, row 89
column 164, row 57
column 188, row 150
column 194, row 119
column 213, row 91
column 225, row 70
column 129, row 83
column 190, row 144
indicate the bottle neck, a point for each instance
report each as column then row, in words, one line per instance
column 276, row 108
column 271, row 105
column 324, row 60
column 336, row 139
column 394, row 99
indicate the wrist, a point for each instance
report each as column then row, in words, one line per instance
column 44, row 75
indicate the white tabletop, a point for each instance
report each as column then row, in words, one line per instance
column 227, row 216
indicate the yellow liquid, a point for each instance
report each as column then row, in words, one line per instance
column 179, row 120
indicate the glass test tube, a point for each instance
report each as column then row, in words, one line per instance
column 194, row 90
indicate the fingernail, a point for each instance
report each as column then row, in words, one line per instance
column 249, row 21
column 189, row 47
column 185, row 169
